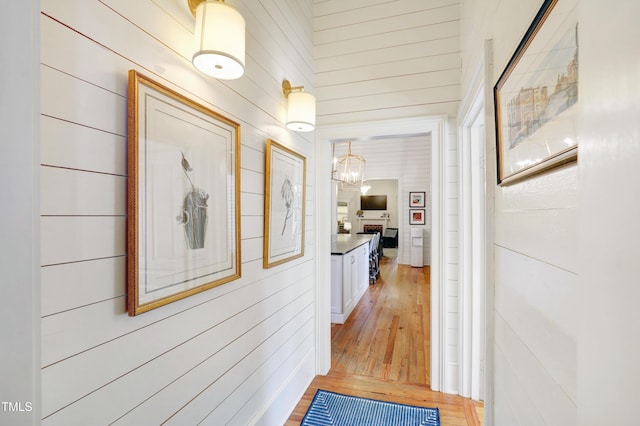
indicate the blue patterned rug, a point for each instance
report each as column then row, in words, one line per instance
column 329, row 408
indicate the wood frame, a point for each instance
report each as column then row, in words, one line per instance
column 417, row 216
column 536, row 97
column 182, row 239
column 417, row 199
column 284, row 215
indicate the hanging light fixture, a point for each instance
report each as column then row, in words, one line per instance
column 219, row 38
column 349, row 169
column 301, row 112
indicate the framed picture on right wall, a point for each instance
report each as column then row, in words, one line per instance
column 416, row 199
column 416, row 216
column 536, row 97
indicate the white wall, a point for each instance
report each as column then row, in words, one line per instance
column 565, row 281
column 240, row 352
column 19, row 227
column 380, row 60
column 609, row 154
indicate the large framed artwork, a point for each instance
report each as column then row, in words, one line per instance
column 536, row 97
column 284, row 204
column 183, row 229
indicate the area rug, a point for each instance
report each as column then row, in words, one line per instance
column 329, row 408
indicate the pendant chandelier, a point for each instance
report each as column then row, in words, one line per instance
column 348, row 169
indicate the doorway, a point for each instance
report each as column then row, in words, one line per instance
column 435, row 128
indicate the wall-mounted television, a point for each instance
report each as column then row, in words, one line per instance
column 373, row 202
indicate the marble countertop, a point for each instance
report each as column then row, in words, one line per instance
column 344, row 243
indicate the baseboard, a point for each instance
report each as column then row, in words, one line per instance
column 280, row 406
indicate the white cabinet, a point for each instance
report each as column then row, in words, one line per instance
column 349, row 281
column 359, row 272
column 336, row 279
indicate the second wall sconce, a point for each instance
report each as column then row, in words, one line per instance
column 219, row 39
column 301, row 112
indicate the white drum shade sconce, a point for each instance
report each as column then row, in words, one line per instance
column 301, row 111
column 219, row 39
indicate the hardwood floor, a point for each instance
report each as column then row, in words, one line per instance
column 382, row 351
column 387, row 335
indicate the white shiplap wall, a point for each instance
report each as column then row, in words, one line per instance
column 239, row 353
column 392, row 60
column 608, row 163
column 536, row 244
column 380, row 60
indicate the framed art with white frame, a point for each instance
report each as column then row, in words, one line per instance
column 416, row 199
column 416, row 216
column 183, row 224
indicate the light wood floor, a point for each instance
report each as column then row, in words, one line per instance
column 382, row 351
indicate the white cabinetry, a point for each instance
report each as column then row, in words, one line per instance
column 349, row 281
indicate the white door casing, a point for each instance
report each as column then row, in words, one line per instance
column 436, row 127
column 472, row 248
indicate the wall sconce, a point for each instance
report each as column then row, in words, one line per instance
column 301, row 112
column 219, row 38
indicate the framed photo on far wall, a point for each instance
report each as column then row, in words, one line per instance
column 284, row 204
column 416, row 199
column 416, row 217
column 536, row 97
column 183, row 197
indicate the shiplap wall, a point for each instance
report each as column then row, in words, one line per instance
column 394, row 59
column 536, row 255
column 407, row 159
column 242, row 352
column 608, row 269
column 450, row 274
column 386, row 59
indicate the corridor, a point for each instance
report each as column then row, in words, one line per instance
column 382, row 351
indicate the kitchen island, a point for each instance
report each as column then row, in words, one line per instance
column 349, row 273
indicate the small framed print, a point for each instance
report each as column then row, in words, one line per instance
column 416, row 199
column 416, row 217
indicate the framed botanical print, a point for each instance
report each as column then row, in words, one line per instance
column 183, row 229
column 284, row 204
